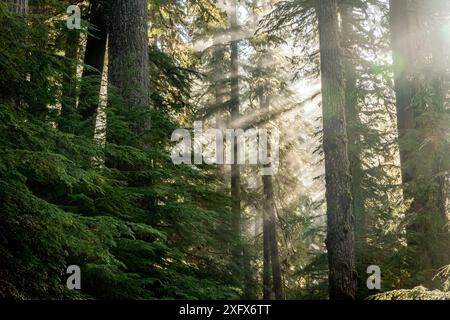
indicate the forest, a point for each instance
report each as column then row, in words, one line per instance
column 224, row 150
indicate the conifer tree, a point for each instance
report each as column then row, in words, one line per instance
column 337, row 167
column 94, row 60
column 420, row 111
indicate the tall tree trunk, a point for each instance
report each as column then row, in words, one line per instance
column 273, row 244
column 403, row 61
column 270, row 227
column 39, row 77
column 235, row 115
column 437, row 14
column 426, row 235
column 402, row 47
column 267, row 289
column 440, row 87
column 219, row 94
column 128, row 67
column 12, row 91
column 94, row 59
column 354, row 141
column 342, row 279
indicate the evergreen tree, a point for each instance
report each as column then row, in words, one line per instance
column 94, row 60
column 337, row 167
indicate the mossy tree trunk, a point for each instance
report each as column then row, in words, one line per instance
column 128, row 65
column 235, row 116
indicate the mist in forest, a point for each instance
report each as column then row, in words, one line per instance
column 225, row 150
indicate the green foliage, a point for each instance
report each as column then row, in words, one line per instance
column 418, row 293
column 136, row 234
column 141, row 227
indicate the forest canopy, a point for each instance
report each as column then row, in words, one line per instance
column 225, row 149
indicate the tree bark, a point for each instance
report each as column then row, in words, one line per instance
column 271, row 229
column 354, row 131
column 342, row 279
column 267, row 289
column 270, row 225
column 440, row 88
column 353, row 123
column 13, row 90
column 235, row 115
column 422, row 183
column 69, row 92
column 404, row 88
column 219, row 94
column 129, row 61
